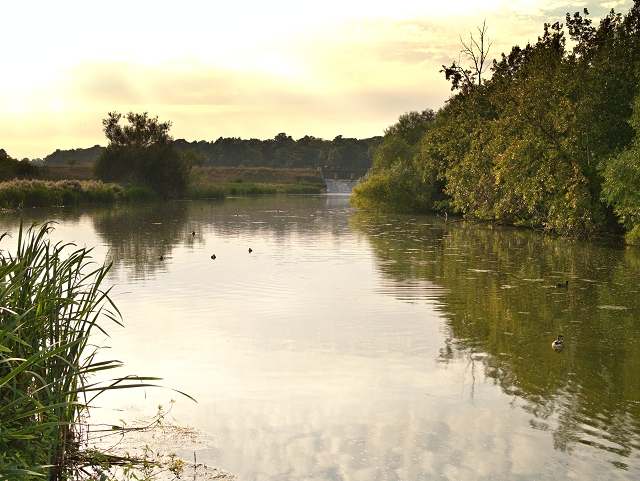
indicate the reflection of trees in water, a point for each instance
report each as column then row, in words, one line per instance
column 137, row 235
column 270, row 217
column 499, row 298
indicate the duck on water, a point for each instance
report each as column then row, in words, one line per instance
column 558, row 344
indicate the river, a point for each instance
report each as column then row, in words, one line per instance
column 354, row 346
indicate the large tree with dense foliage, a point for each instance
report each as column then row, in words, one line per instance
column 142, row 152
column 533, row 144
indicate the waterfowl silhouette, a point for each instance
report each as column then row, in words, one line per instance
column 250, row 250
column 213, row 256
column 161, row 258
column 193, row 233
column 558, row 344
column 563, row 286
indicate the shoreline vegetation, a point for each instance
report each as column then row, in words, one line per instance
column 53, row 299
column 72, row 185
column 550, row 140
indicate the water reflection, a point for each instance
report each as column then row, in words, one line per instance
column 354, row 346
column 137, row 235
column 503, row 310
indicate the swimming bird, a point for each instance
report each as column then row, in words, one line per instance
column 193, row 232
column 250, row 250
column 213, row 256
column 563, row 286
column 558, row 344
column 161, row 258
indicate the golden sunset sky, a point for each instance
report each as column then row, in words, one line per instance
column 247, row 69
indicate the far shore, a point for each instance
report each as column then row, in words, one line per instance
column 77, row 184
column 262, row 175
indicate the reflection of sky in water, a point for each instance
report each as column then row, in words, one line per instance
column 306, row 362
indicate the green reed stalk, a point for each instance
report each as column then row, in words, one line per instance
column 50, row 302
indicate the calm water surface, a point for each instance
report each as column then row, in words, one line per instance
column 350, row 346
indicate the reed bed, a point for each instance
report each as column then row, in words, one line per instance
column 51, row 300
column 43, row 193
column 205, row 190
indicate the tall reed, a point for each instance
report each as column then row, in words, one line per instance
column 51, row 300
column 44, row 193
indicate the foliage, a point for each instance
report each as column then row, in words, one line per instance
column 82, row 156
column 11, row 168
column 391, row 183
column 142, row 152
column 205, row 190
column 284, row 152
column 52, row 301
column 622, row 178
column 533, row 144
column 280, row 152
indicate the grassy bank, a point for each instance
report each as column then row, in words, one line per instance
column 52, row 300
column 258, row 175
column 42, row 193
column 213, row 175
column 218, row 190
column 215, row 182
column 75, row 184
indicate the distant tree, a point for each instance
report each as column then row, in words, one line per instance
column 142, row 131
column 11, row 168
column 142, row 152
column 82, row 156
column 282, row 137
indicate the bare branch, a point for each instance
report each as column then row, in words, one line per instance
column 476, row 53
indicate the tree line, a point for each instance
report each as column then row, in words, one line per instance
column 284, row 152
column 280, row 152
column 141, row 152
column 548, row 141
column 11, row 168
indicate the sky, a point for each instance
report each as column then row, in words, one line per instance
column 248, row 69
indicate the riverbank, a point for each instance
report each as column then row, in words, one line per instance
column 215, row 175
column 72, row 185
